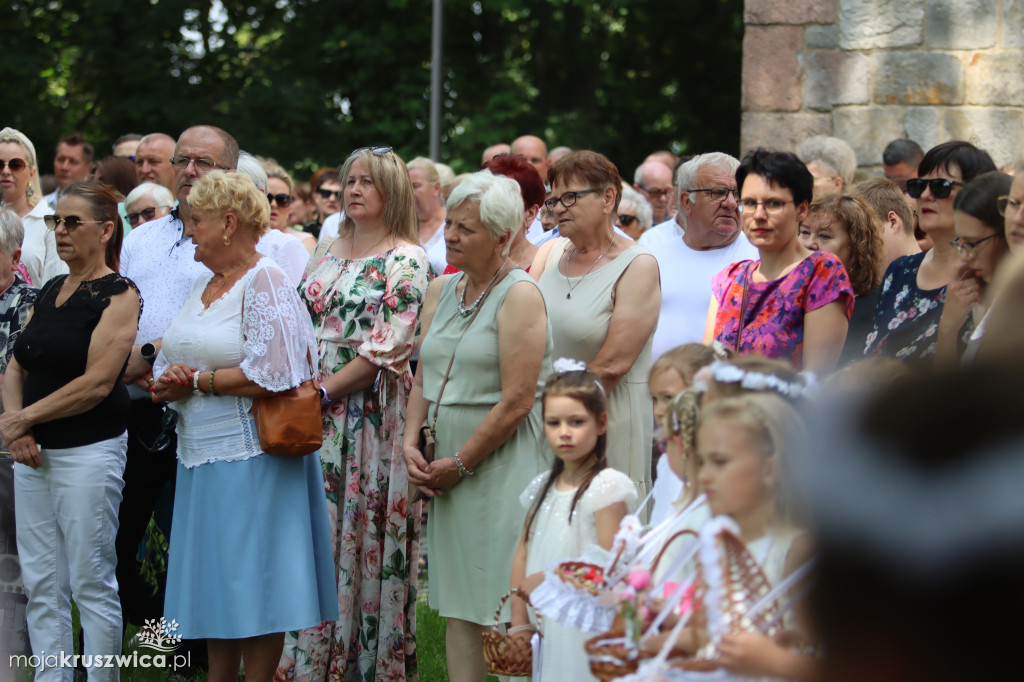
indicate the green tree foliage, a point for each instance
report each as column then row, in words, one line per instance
column 305, row 81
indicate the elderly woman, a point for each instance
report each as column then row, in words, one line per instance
column 426, row 190
column 279, row 193
column 484, row 359
column 364, row 291
column 65, row 427
column 19, row 180
column 981, row 244
column 910, row 305
column 147, row 202
column 604, row 295
column 846, row 226
column 791, row 303
column 831, row 161
column 241, row 571
column 634, row 215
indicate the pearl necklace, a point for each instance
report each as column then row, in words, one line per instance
column 465, row 310
column 569, row 260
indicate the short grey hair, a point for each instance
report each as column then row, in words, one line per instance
column 831, row 151
column 251, row 166
column 686, row 176
column 644, row 212
column 500, row 199
column 160, row 194
column 12, row 232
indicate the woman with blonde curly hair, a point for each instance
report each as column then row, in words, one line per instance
column 846, row 226
column 241, row 571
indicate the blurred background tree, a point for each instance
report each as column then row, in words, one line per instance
column 305, row 81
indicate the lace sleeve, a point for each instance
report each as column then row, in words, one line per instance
column 396, row 325
column 277, row 332
column 529, row 495
column 607, row 488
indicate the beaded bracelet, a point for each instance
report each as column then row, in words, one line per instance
column 463, row 471
column 212, row 372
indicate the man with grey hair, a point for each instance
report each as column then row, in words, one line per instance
column 831, row 161
column 653, row 179
column 709, row 201
column 159, row 257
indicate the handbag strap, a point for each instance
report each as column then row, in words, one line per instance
column 743, row 308
column 444, row 382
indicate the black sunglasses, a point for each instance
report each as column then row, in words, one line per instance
column 72, row 222
column 940, row 187
column 626, row 220
column 146, row 214
column 281, row 199
column 329, row 193
column 168, row 422
column 14, row 164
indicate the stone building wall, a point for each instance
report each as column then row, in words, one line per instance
column 870, row 71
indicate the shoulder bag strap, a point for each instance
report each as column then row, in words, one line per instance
column 743, row 307
column 437, row 405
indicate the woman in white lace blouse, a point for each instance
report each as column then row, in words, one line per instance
column 250, row 552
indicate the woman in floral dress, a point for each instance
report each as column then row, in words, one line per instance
column 364, row 292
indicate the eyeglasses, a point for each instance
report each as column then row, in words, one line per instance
column 14, row 164
column 968, row 249
column 281, row 199
column 202, row 165
column 655, row 193
column 70, row 221
column 146, row 214
column 329, row 193
column 163, row 438
column 940, row 187
column 1006, row 204
column 625, row 220
column 377, row 151
column 568, row 199
column 771, row 206
column 719, row 193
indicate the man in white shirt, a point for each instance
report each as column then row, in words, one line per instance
column 72, row 163
column 710, row 241
column 158, row 257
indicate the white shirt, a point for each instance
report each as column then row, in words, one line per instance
column 287, row 251
column 667, row 231
column 437, row 251
column 330, row 228
column 686, row 288
column 39, row 248
column 536, row 230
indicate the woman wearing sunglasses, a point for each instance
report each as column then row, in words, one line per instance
column 19, row 181
column 279, row 194
column 65, row 427
column 906, row 322
column 634, row 215
column 981, row 246
column 147, row 202
column 792, row 303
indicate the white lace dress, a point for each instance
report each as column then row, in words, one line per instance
column 553, row 539
column 250, row 548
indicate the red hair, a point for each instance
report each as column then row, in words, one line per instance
column 516, row 166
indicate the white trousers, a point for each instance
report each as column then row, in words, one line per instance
column 66, row 519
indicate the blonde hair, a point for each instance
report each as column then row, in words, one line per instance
column 427, row 166
column 391, row 178
column 685, row 360
column 220, row 192
column 681, row 420
column 273, row 170
column 35, row 194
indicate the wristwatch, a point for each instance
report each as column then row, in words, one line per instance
column 148, row 352
column 324, row 400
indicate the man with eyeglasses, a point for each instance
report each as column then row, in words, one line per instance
column 153, row 159
column 159, row 257
column 710, row 241
column 653, row 179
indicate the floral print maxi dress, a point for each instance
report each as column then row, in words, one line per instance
column 367, row 307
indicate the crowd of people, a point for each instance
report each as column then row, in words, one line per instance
column 523, row 358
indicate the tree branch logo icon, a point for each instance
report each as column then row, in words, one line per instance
column 159, row 635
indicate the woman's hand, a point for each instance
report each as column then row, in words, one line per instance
column 964, row 291
column 441, row 475
column 174, row 384
column 417, row 466
column 25, row 451
column 13, row 426
column 749, row 653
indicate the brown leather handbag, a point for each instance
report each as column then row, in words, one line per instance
column 289, row 423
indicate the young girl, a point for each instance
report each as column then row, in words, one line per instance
column 579, row 503
column 742, row 444
column 670, row 375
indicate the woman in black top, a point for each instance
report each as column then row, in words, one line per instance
column 65, row 427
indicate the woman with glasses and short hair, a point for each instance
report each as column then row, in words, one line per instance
column 65, row 422
column 279, row 194
column 603, row 295
column 792, row 303
column 147, row 202
column 907, row 317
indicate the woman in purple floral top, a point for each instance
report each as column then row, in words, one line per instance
column 792, row 303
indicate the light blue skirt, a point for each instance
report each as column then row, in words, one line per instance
column 250, row 550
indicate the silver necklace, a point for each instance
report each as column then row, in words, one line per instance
column 367, row 250
column 569, row 260
column 465, row 310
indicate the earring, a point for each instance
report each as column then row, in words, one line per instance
column 227, row 241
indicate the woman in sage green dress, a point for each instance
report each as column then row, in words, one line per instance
column 491, row 319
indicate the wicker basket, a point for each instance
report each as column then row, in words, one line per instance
column 506, row 654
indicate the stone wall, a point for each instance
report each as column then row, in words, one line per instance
column 870, row 71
